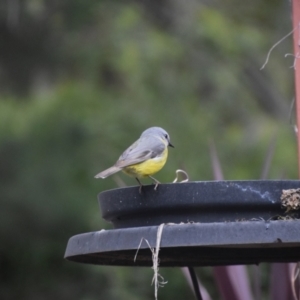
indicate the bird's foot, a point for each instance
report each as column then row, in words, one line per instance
column 141, row 186
column 156, row 182
column 141, row 189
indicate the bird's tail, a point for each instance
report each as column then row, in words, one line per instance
column 108, row 172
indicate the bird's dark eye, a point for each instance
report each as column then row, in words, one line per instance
column 166, row 136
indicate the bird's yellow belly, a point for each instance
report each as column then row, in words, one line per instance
column 148, row 167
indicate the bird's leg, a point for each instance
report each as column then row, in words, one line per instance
column 156, row 182
column 141, row 186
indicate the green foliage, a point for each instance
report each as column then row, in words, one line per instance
column 119, row 72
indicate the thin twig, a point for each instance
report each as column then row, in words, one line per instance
column 157, row 283
column 275, row 45
column 157, row 278
column 295, row 59
column 295, row 275
column 185, row 174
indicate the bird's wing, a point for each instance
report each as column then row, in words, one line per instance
column 143, row 149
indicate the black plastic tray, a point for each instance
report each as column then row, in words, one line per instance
column 206, row 223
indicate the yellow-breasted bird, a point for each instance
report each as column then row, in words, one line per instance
column 144, row 157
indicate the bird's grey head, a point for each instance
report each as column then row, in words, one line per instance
column 159, row 132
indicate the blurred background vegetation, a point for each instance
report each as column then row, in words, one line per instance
column 80, row 80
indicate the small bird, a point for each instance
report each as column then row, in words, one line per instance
column 144, row 157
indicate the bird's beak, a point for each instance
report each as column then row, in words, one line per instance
column 171, row 145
